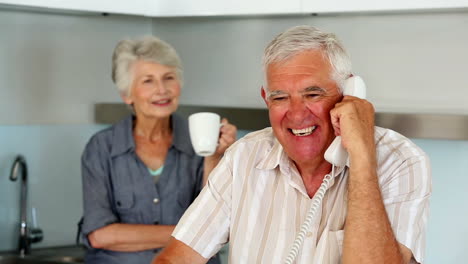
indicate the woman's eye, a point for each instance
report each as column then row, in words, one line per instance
column 147, row 81
column 170, row 77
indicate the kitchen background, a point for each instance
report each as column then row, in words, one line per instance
column 55, row 66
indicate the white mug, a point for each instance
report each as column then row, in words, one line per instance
column 204, row 132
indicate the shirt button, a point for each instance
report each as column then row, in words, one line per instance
column 155, row 200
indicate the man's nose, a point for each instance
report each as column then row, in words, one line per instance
column 297, row 110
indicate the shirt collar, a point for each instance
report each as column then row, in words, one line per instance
column 273, row 157
column 277, row 157
column 123, row 141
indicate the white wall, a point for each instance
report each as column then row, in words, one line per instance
column 55, row 67
column 412, row 62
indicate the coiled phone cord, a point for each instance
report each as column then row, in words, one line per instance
column 316, row 202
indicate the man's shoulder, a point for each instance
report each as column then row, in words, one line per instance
column 257, row 143
column 264, row 137
column 389, row 142
column 259, row 135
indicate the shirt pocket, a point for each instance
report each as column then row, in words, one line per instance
column 125, row 205
column 335, row 240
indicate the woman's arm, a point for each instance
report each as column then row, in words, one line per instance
column 101, row 225
column 130, row 237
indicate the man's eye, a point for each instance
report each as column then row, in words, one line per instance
column 280, row 98
column 312, row 95
column 170, row 77
column 148, row 81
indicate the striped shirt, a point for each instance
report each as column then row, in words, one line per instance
column 255, row 199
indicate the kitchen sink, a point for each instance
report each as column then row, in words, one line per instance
column 12, row 259
column 19, row 260
column 63, row 259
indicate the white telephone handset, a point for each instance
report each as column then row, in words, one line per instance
column 336, row 154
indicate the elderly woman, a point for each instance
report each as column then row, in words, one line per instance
column 141, row 174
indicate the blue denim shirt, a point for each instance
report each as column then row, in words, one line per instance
column 118, row 188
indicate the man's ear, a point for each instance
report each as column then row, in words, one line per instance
column 264, row 95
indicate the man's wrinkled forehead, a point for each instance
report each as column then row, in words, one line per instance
column 309, row 64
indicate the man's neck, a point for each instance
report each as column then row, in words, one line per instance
column 312, row 175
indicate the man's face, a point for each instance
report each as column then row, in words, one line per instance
column 300, row 96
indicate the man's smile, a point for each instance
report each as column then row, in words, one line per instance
column 303, row 132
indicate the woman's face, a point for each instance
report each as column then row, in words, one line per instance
column 155, row 90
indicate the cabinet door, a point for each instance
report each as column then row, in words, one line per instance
column 222, row 7
column 323, row 6
column 133, row 7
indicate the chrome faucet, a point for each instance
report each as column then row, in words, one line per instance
column 26, row 235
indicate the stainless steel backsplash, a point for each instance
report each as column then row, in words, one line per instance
column 433, row 126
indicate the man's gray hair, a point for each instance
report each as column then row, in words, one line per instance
column 303, row 38
column 148, row 48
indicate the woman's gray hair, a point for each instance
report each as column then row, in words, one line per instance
column 303, row 38
column 148, row 48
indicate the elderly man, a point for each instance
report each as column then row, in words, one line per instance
column 372, row 210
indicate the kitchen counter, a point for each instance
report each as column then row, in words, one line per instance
column 51, row 255
column 71, row 251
